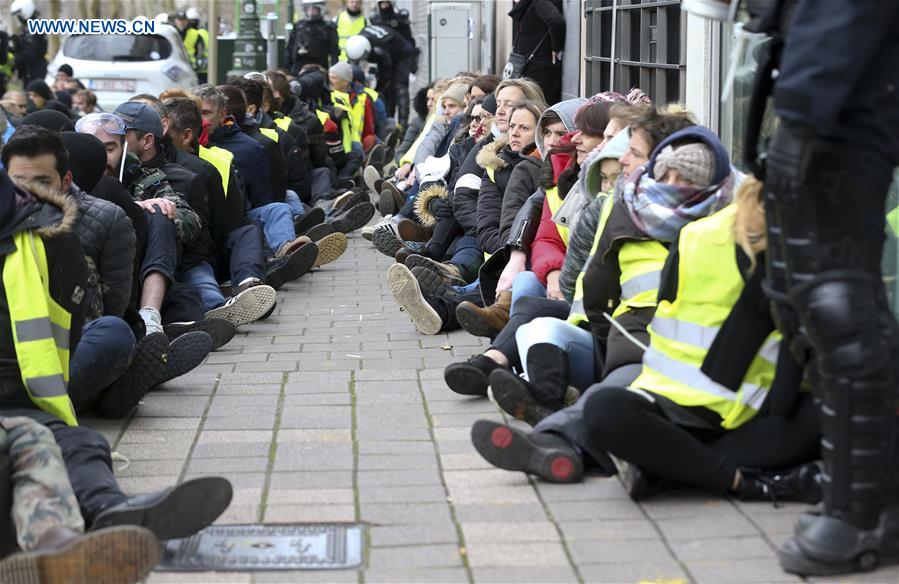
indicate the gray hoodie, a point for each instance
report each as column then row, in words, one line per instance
column 565, row 110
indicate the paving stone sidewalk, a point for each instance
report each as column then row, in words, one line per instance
column 335, row 410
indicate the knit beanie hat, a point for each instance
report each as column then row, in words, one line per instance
column 39, row 87
column 343, row 70
column 49, row 119
column 695, row 162
column 489, row 104
column 455, row 92
column 66, row 69
column 87, row 158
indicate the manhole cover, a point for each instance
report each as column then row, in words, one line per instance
column 238, row 548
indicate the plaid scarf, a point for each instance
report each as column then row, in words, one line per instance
column 660, row 210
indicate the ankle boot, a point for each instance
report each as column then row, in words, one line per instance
column 485, row 322
column 547, row 367
column 802, row 483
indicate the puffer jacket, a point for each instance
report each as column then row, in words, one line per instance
column 501, row 160
column 548, row 249
column 523, row 183
column 466, row 188
column 108, row 241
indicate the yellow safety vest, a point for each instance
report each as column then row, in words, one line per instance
column 374, row 95
column 555, row 201
column 283, row 122
column 409, row 156
column 348, row 26
column 191, row 36
column 204, row 36
column 221, row 159
column 40, row 327
column 270, row 133
column 341, row 101
column 682, row 331
column 356, row 110
column 640, row 264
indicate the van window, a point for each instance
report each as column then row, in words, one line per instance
column 117, row 47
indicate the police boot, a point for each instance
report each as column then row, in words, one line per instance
column 855, row 340
column 802, row 484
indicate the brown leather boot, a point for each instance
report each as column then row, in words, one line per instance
column 409, row 230
column 485, row 322
column 117, row 554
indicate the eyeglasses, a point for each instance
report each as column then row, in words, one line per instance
column 110, row 123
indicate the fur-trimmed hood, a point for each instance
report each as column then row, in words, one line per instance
column 490, row 155
column 436, row 191
column 48, row 212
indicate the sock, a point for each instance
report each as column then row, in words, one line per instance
column 152, row 319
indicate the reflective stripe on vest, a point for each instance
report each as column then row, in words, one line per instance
column 283, row 123
column 683, row 330
column 577, row 314
column 347, row 26
column 641, row 264
column 356, row 110
column 491, row 174
column 221, row 160
column 374, row 95
column 40, row 327
column 555, row 201
column 270, row 133
column 341, row 100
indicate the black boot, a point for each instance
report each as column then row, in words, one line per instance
column 515, row 396
column 548, row 456
column 802, row 483
column 547, row 367
column 472, row 376
column 638, row 483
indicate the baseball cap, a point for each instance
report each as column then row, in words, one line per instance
column 141, row 117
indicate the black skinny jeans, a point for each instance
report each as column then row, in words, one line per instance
column 527, row 309
column 630, row 426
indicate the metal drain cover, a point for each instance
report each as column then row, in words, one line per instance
column 242, row 548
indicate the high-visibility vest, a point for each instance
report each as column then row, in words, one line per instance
column 682, row 330
column 40, row 327
column 374, row 95
column 221, row 159
column 341, row 101
column 640, row 264
column 203, row 64
column 270, row 133
column 191, row 36
column 283, row 122
column 409, row 156
column 348, row 26
column 555, row 201
column 356, row 111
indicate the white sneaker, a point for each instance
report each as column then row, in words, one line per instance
column 368, row 232
column 248, row 306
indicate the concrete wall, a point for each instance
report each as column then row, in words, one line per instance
column 571, row 61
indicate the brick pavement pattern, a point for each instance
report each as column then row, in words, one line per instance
column 335, row 410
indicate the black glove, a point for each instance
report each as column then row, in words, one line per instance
column 440, row 208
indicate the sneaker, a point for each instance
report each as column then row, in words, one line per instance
column 330, row 248
column 368, row 232
column 292, row 267
column 320, row 231
column 449, row 272
column 511, row 393
column 393, row 140
column 638, row 483
column 471, row 377
column 221, row 330
column 410, row 248
column 126, row 553
column 314, row 216
column 292, row 246
column 545, row 455
column 375, row 156
column 185, row 354
column 391, row 200
column 432, row 284
column 409, row 230
column 355, row 218
column 387, row 242
column 346, row 184
column 248, row 306
column 371, row 175
column 147, row 370
column 173, row 513
column 348, row 200
column 407, row 294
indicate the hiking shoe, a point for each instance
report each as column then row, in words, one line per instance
column 371, row 176
column 485, row 321
column 410, row 248
column 449, row 272
column 391, row 199
column 409, row 230
column 407, row 294
column 248, row 306
column 319, row 232
column 548, row 456
column 354, row 218
column 387, row 242
column 294, row 266
column 219, row 329
column 173, row 513
column 147, row 370
column 314, row 216
column 185, row 354
column 432, row 284
column 291, row 246
column 470, row 377
column 127, row 553
column 347, row 201
column 512, row 394
column 330, row 248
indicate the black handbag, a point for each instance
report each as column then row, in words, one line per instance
column 515, row 67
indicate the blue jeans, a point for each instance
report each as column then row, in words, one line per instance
column 276, row 222
column 292, row 200
column 468, row 288
column 526, row 284
column 201, row 278
column 468, row 257
column 575, row 341
column 102, row 355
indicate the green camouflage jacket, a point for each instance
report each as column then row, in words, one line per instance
column 150, row 183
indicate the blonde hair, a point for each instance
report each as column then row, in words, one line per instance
column 749, row 220
column 530, row 89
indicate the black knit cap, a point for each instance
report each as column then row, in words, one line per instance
column 489, row 104
column 39, row 87
column 49, row 119
column 87, row 158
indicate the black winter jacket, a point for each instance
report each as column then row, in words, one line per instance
column 523, row 183
column 534, row 19
column 300, row 114
column 249, row 161
column 108, row 241
column 499, row 158
column 466, row 188
column 277, row 164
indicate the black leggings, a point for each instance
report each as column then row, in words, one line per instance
column 630, row 426
column 527, row 309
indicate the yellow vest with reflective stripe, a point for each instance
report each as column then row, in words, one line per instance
column 682, row 331
column 348, row 26
column 555, row 201
column 40, row 327
column 283, row 123
column 221, row 160
column 356, row 111
column 191, row 36
column 374, row 95
column 341, row 101
column 270, row 133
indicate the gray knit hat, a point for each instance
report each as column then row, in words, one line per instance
column 343, row 70
column 695, row 162
column 456, row 92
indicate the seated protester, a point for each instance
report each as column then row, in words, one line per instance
column 422, row 104
column 379, row 111
column 249, row 157
column 673, row 424
column 287, row 105
column 358, row 113
column 39, row 93
column 497, row 159
column 695, row 178
column 49, row 528
column 472, row 377
column 44, row 267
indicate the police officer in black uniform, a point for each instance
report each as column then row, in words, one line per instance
column 827, row 172
column 388, row 16
column 29, row 50
column 313, row 40
column 394, row 57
